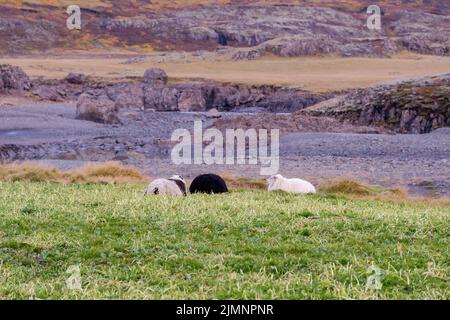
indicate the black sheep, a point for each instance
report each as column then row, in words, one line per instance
column 208, row 183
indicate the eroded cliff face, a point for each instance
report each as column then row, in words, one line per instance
column 116, row 101
column 414, row 106
column 121, row 102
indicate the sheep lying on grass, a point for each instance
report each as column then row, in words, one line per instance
column 212, row 183
column 208, row 183
column 174, row 186
column 278, row 182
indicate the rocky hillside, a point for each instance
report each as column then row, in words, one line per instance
column 412, row 106
column 119, row 100
column 253, row 29
column 415, row 106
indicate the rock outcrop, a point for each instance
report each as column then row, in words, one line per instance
column 76, row 78
column 295, row 46
column 12, row 78
column 292, row 30
column 185, row 97
column 114, row 103
column 61, row 90
column 160, row 98
column 414, row 106
column 306, row 28
column 96, row 106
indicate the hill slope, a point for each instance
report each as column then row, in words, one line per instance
column 292, row 28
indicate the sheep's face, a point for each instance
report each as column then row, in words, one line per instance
column 180, row 183
column 177, row 177
column 273, row 179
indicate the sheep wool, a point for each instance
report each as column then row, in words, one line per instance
column 278, row 182
column 174, row 186
column 208, row 183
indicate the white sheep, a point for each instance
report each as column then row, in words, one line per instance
column 278, row 182
column 174, row 186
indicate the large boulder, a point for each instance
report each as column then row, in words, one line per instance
column 155, row 76
column 116, row 104
column 76, row 78
column 13, row 78
column 191, row 100
column 229, row 97
column 96, row 106
column 160, row 98
column 47, row 93
column 127, row 95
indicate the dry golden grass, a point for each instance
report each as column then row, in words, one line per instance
column 108, row 172
column 116, row 173
column 357, row 190
column 346, row 187
column 312, row 73
column 238, row 182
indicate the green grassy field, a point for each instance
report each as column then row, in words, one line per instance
column 247, row 244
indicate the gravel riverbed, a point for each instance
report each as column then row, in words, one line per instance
column 49, row 133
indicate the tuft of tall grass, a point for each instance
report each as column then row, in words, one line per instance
column 351, row 187
column 346, row 187
column 356, row 189
column 240, row 182
column 29, row 172
column 108, row 172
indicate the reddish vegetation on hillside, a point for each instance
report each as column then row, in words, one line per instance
column 286, row 28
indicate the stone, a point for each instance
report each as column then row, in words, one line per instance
column 155, row 76
column 127, row 95
column 13, row 78
column 213, row 113
column 191, row 100
column 47, row 93
column 76, row 78
column 96, row 106
column 121, row 156
column 160, row 98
